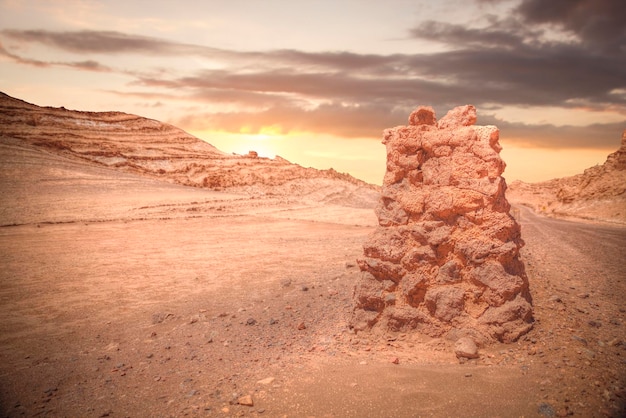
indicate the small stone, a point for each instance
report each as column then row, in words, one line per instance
column 465, row 347
column 395, row 360
column 266, row 381
column 251, row 321
column 245, row 400
column 304, row 288
column 546, row 410
column 301, row 326
column 594, row 324
column 590, row 354
column 563, row 412
column 273, row 321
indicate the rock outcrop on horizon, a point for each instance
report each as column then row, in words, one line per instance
column 150, row 148
column 444, row 259
column 599, row 193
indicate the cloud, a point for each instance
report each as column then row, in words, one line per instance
column 599, row 135
column 599, row 23
column 111, row 42
column 543, row 54
column 87, row 65
column 494, row 35
column 532, row 58
column 88, row 41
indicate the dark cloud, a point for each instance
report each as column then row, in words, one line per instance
column 87, row 65
column 530, row 58
column 533, row 76
column 512, row 61
column 599, row 135
column 27, row 61
column 108, row 42
column 495, row 35
column 601, row 23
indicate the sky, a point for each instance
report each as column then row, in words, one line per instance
column 317, row 81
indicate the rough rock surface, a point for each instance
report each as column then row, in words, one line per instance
column 599, row 193
column 150, row 148
column 445, row 257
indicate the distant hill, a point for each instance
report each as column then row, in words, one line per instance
column 599, row 193
column 150, row 148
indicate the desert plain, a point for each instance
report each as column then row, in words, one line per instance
column 122, row 295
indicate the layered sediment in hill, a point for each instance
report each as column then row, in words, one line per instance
column 599, row 193
column 148, row 147
column 445, row 257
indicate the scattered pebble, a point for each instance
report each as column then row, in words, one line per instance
column 245, row 400
column 266, row 381
column 555, row 298
column 546, row 410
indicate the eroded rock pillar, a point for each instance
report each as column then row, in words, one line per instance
column 445, row 256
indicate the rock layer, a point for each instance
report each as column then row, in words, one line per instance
column 158, row 150
column 599, row 193
column 445, row 256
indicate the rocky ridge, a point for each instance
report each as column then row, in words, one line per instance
column 445, row 257
column 599, row 193
column 148, row 147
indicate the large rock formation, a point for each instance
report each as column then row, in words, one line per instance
column 445, row 257
column 599, row 193
column 150, row 148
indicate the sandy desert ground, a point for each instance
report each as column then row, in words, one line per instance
column 123, row 296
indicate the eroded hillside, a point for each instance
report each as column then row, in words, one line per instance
column 599, row 193
column 144, row 146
